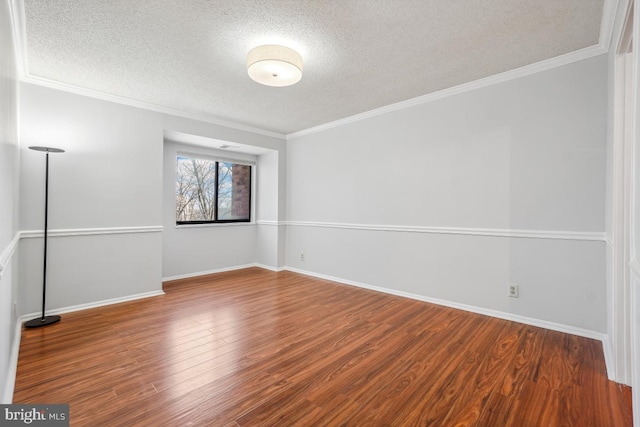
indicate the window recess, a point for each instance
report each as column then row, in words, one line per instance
column 212, row 189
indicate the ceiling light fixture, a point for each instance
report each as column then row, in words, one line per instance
column 274, row 65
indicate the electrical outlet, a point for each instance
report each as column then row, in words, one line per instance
column 15, row 309
column 301, row 256
column 514, row 291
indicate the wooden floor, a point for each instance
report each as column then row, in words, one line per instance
column 258, row 348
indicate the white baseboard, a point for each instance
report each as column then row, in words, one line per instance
column 270, row 268
column 607, row 350
column 7, row 397
column 95, row 304
column 15, row 349
column 473, row 309
column 204, row 273
column 8, row 393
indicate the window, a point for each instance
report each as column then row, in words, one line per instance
column 212, row 191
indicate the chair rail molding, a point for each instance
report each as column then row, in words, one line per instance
column 491, row 232
column 30, row 234
column 7, row 253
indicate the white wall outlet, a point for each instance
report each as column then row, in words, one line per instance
column 15, row 309
column 301, row 256
column 514, row 291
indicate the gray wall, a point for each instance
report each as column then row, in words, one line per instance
column 192, row 250
column 108, row 180
column 106, row 197
column 9, row 164
column 456, row 198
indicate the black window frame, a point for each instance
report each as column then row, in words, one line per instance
column 217, row 161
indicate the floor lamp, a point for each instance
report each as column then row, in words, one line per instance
column 44, row 320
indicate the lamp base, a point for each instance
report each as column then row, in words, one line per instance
column 41, row 321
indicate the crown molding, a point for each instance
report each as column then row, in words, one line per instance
column 606, row 31
column 65, row 87
column 607, row 25
column 16, row 17
column 547, row 64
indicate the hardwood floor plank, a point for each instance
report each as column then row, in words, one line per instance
column 260, row 348
column 504, row 402
column 470, row 397
column 448, row 366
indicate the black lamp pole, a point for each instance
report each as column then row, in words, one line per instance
column 44, row 320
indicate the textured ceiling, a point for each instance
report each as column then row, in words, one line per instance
column 358, row 54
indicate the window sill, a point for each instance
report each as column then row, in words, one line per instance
column 216, row 224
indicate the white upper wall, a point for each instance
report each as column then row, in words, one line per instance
column 8, row 133
column 110, row 178
column 111, row 174
column 463, row 175
column 9, row 179
column 524, row 154
column 111, row 171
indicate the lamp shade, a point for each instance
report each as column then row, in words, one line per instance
column 274, row 65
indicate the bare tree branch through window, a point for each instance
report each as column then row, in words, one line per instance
column 212, row 191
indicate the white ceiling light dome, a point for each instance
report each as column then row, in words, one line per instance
column 274, row 65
